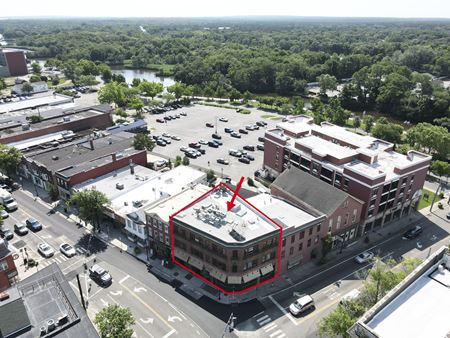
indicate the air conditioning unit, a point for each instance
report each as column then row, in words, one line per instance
column 119, row 186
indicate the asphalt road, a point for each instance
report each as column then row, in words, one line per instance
column 192, row 128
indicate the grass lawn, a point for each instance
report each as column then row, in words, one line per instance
column 426, row 202
column 271, row 117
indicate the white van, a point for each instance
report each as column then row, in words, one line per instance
column 301, row 305
column 352, row 295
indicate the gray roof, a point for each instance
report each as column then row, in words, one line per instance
column 13, row 314
column 305, row 188
column 47, row 295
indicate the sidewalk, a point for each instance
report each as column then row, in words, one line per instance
column 195, row 288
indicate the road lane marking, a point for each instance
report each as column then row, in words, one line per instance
column 170, row 333
column 151, row 309
column 143, row 328
column 258, row 314
column 265, row 321
column 262, row 318
column 269, row 327
column 275, row 333
column 281, row 335
column 76, row 262
column 283, row 310
column 124, row 279
column 179, row 312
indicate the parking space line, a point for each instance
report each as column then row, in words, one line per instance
column 283, row 310
column 124, row 279
column 143, row 328
column 170, row 333
column 275, row 333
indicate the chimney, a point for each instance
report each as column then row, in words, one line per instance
column 91, row 143
column 113, row 155
column 131, row 167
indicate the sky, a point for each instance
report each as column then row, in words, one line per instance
column 214, row 8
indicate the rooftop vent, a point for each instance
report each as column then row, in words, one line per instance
column 66, row 118
column 63, row 319
column 54, row 158
column 25, row 126
column 237, row 236
column 119, row 186
column 51, row 325
column 43, row 330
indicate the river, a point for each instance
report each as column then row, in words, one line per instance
column 142, row 74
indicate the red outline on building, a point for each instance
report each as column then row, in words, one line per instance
column 172, row 249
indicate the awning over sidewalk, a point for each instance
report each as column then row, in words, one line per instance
column 218, row 275
column 251, row 276
column 196, row 263
column 234, row 279
column 266, row 269
column 181, row 255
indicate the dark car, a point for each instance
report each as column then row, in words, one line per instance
column 223, row 161
column 6, row 234
column 261, row 139
column 160, row 120
column 249, row 147
column 243, row 131
column 161, row 142
column 234, row 134
column 210, row 125
column 223, row 119
column 216, row 136
column 244, row 160
column 260, row 147
column 261, row 123
column 194, row 145
column 183, row 113
column 250, row 157
column 213, row 144
column 201, row 151
column 33, row 224
column 448, row 215
column 413, row 233
column 218, row 142
column 190, row 154
column 100, row 275
column 167, row 118
column 229, row 130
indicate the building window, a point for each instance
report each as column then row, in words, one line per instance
column 291, row 251
column 375, row 193
column 300, row 247
column 284, row 242
column 346, row 181
column 346, row 204
column 292, row 239
column 235, row 254
column 318, row 228
column 338, row 223
column 310, row 231
column 355, row 212
column 316, row 240
column 309, row 243
column 302, row 235
column 330, row 225
column 234, row 268
column 385, row 188
column 282, row 254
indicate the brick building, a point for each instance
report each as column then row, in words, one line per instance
column 388, row 183
column 342, row 211
column 13, row 63
column 8, row 270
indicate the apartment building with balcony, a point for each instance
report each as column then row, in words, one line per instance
column 237, row 249
column 389, row 183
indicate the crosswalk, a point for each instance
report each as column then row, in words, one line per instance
column 54, row 259
column 269, row 327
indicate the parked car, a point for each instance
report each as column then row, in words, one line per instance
column 213, row 144
column 5, row 187
column 191, row 154
column 255, row 127
column 20, row 229
column 218, row 142
column 194, row 145
column 201, row 151
column 250, row 157
column 261, row 123
column 160, row 120
column 216, row 136
column 352, row 295
column 249, row 147
column 175, row 137
column 184, row 149
column 166, row 135
column 244, row 160
column 413, row 233
column 301, row 305
column 234, row 152
column 243, row 131
column 4, row 214
column 183, row 113
column 6, row 234
column 33, row 224
column 210, row 125
column 448, row 215
column 261, row 139
column 204, row 142
column 223, row 119
column 234, row 134
column 223, row 161
column 100, row 275
column 249, row 127
column 67, row 250
column 161, row 142
column 45, row 250
column 364, row 257
column 260, row 147
column 167, row 140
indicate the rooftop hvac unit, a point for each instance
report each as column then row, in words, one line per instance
column 43, row 331
column 25, row 126
column 66, row 118
column 119, row 186
column 63, row 319
column 51, row 325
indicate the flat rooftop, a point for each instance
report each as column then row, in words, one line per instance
column 35, row 141
column 50, row 100
column 421, row 310
column 242, row 224
column 284, row 214
column 323, row 147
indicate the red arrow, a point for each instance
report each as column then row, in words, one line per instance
column 230, row 204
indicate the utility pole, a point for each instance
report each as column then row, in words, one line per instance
column 436, row 193
column 81, row 292
column 230, row 325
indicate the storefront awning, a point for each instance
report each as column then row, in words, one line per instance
column 251, row 276
column 218, row 275
column 234, row 279
column 266, row 269
column 196, row 263
column 181, row 255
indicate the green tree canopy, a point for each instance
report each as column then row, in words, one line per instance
column 326, row 82
column 430, row 138
column 113, row 92
column 143, row 141
column 177, row 89
column 136, row 103
column 90, row 204
column 115, row 321
column 440, row 168
column 390, row 132
column 150, row 88
column 10, row 159
column 36, row 68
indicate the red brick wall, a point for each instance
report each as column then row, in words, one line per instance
column 17, row 64
column 100, row 121
column 4, row 282
column 270, row 160
column 138, row 158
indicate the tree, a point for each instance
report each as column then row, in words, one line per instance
column 105, row 72
column 35, row 78
column 177, row 89
column 390, row 132
column 326, row 82
column 36, row 68
column 168, row 97
column 136, row 82
column 143, row 141
column 430, row 138
column 247, row 96
column 90, row 204
column 178, row 161
column 150, row 88
column 210, row 175
column 10, row 159
column 356, row 122
column 339, row 321
column 368, row 123
column 112, row 92
column 185, row 160
column 440, row 168
column 35, row 118
column 234, row 94
column 53, row 192
column 136, row 103
column 115, row 321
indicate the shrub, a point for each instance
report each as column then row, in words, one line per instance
column 250, row 182
column 440, row 205
column 137, row 250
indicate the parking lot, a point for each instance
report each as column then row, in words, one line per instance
column 192, row 128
